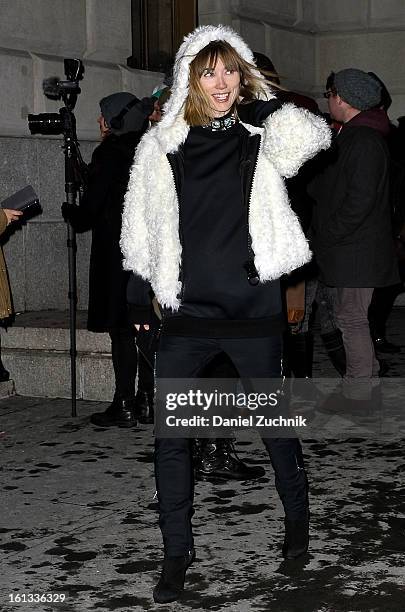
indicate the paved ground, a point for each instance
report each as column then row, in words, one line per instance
column 78, row 519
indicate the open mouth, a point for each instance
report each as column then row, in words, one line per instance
column 221, row 98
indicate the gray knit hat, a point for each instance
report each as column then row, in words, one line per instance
column 136, row 115
column 358, row 88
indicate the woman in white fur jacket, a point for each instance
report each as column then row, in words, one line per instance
column 208, row 224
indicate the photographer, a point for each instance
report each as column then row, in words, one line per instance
column 123, row 120
column 6, row 310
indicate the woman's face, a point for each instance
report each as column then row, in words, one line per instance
column 222, row 87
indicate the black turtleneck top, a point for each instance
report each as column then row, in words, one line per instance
column 217, row 299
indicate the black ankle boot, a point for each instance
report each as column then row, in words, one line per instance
column 144, row 407
column 171, row 581
column 333, row 344
column 121, row 413
column 382, row 345
column 296, row 538
column 217, row 459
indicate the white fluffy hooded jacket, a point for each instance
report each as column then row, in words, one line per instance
column 150, row 239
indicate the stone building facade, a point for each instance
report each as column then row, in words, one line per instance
column 35, row 36
column 304, row 38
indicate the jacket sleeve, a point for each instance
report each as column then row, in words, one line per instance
column 255, row 112
column 139, row 294
column 135, row 232
column 292, row 136
column 365, row 166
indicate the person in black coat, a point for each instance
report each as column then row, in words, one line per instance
column 123, row 121
column 351, row 229
column 384, row 297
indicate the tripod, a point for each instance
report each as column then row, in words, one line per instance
column 73, row 181
column 64, row 123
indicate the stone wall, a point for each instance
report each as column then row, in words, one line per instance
column 306, row 39
column 35, row 36
column 214, row 12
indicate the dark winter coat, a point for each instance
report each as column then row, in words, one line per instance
column 351, row 227
column 100, row 210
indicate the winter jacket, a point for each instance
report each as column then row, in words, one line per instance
column 351, row 230
column 150, row 238
column 100, row 210
column 6, row 309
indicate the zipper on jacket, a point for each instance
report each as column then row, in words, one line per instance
column 176, row 162
column 249, row 265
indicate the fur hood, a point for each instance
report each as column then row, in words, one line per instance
column 150, row 226
column 172, row 130
column 192, row 44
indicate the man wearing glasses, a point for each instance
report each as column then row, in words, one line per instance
column 352, row 236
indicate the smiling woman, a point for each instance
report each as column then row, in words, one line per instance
column 207, row 221
column 219, row 76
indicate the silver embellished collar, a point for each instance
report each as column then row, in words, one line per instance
column 221, row 123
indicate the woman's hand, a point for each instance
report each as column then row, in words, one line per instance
column 138, row 327
column 12, row 215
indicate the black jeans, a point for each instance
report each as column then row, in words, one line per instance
column 181, row 357
column 126, row 361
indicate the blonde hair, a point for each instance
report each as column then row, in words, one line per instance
column 197, row 109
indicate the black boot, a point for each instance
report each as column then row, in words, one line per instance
column 334, row 346
column 144, row 407
column 171, row 581
column 299, row 352
column 217, row 459
column 382, row 345
column 296, row 538
column 299, row 349
column 121, row 412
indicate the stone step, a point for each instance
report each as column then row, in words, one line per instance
column 54, row 339
column 7, row 389
column 36, row 351
column 49, row 330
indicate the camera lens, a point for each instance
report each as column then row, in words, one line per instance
column 45, row 123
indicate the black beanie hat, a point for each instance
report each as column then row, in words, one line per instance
column 358, row 88
column 136, row 116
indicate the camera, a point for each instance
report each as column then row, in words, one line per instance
column 47, row 123
column 64, row 123
column 56, row 89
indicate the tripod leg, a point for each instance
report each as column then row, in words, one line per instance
column 71, row 244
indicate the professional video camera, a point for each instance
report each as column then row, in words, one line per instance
column 55, row 89
column 64, row 122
